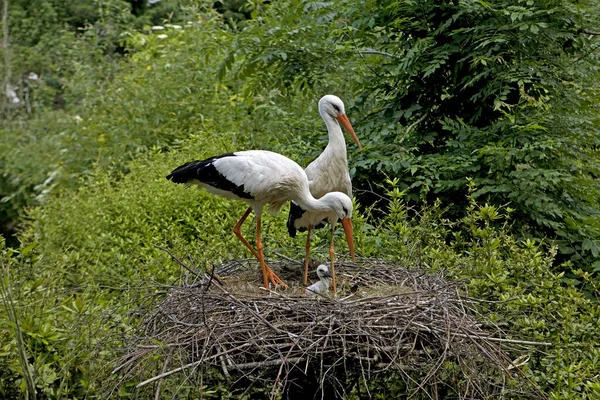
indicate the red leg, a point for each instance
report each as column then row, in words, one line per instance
column 332, row 256
column 268, row 273
column 266, row 270
column 307, row 258
column 260, row 255
column 237, row 230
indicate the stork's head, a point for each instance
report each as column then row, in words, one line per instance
column 323, row 271
column 333, row 107
column 341, row 205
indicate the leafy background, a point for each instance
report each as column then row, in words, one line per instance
column 480, row 128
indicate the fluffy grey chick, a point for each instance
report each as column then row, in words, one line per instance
column 322, row 286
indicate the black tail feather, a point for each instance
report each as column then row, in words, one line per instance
column 295, row 212
column 201, row 170
column 187, row 172
column 205, row 171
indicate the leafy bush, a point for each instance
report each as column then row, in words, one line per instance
column 494, row 93
column 89, row 253
column 113, row 122
column 526, row 297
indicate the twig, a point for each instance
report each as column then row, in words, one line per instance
column 181, row 263
column 502, row 340
column 158, row 386
column 269, row 363
column 190, row 365
column 587, row 32
column 411, row 127
column 380, row 53
column 288, row 258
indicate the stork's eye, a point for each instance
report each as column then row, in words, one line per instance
column 336, row 108
column 345, row 210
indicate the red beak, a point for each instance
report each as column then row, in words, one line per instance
column 345, row 122
column 347, row 224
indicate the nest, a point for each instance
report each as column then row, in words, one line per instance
column 388, row 320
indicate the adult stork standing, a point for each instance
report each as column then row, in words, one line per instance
column 327, row 173
column 262, row 178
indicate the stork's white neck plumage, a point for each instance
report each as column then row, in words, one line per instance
column 337, row 143
column 334, row 203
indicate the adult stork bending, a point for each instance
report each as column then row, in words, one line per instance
column 263, row 178
column 327, row 173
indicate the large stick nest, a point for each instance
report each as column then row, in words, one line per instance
column 387, row 320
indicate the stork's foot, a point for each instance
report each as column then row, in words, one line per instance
column 275, row 280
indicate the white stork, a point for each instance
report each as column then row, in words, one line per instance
column 263, row 178
column 327, row 173
column 322, row 286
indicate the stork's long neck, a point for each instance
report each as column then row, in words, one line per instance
column 309, row 203
column 336, row 144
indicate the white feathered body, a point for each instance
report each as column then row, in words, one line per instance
column 318, row 288
column 260, row 178
column 270, row 178
column 328, row 172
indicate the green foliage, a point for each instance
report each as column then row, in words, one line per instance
column 156, row 94
column 64, row 42
column 10, row 321
column 52, row 39
column 289, row 48
column 492, row 92
column 235, row 11
column 527, row 299
column 504, row 93
column 453, row 90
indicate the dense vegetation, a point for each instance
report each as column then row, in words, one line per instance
column 481, row 133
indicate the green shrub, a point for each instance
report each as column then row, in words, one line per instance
column 111, row 121
column 527, row 299
column 91, row 253
column 459, row 89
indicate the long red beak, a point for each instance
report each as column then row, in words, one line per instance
column 345, row 122
column 347, row 224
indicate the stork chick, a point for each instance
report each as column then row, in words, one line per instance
column 322, row 286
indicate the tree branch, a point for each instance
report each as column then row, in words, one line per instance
column 379, row 53
column 590, row 32
column 411, row 127
column 7, row 68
